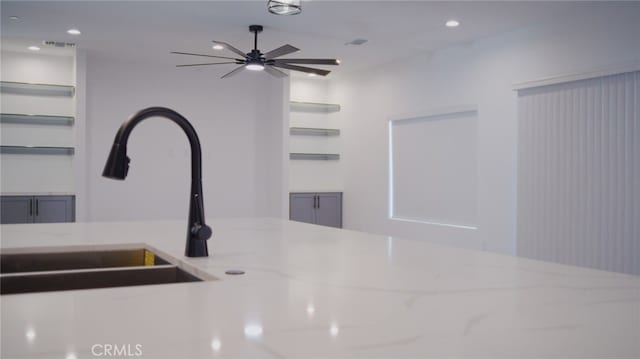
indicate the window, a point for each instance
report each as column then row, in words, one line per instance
column 578, row 172
column 432, row 168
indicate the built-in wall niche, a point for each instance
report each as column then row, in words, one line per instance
column 312, row 137
column 433, row 167
column 315, row 137
column 37, row 123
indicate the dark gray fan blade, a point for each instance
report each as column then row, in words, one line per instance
column 234, row 72
column 282, row 50
column 209, row 63
column 203, row 55
column 303, row 69
column 309, row 61
column 230, row 48
column 274, row 72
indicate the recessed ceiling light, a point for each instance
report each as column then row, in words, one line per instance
column 218, row 47
column 14, row 18
column 311, row 74
column 33, row 48
column 452, row 23
column 74, row 31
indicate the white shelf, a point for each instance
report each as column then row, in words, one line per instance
column 313, row 107
column 36, row 150
column 23, row 88
column 314, row 156
column 308, row 131
column 36, row 119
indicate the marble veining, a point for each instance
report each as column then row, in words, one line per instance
column 311, row 291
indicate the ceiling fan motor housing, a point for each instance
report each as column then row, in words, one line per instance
column 255, row 55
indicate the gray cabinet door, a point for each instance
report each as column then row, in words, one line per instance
column 16, row 209
column 54, row 209
column 301, row 207
column 329, row 209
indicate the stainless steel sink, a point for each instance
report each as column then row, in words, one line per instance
column 52, row 261
column 42, row 270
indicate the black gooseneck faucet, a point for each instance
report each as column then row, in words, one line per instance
column 117, row 167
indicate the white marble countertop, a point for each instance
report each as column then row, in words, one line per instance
column 312, row 291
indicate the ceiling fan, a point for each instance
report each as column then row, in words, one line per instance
column 256, row 60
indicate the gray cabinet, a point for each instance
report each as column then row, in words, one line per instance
column 37, row 209
column 323, row 208
column 16, row 209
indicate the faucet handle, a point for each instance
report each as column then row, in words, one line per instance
column 201, row 232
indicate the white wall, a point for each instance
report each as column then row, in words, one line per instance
column 482, row 74
column 24, row 173
column 239, row 123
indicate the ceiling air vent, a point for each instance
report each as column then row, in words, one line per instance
column 356, row 42
column 59, row 44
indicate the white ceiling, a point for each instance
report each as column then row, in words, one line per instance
column 148, row 31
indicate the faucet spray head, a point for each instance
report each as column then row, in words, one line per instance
column 117, row 165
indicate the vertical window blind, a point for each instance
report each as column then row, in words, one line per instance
column 579, row 173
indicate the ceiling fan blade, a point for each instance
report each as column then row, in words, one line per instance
column 209, row 63
column 303, row 69
column 281, row 51
column 309, row 61
column 274, row 72
column 234, row 72
column 230, row 48
column 203, row 55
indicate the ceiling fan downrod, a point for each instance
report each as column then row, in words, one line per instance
column 255, row 29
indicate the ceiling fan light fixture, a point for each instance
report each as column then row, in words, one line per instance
column 284, row 7
column 218, row 47
column 255, row 67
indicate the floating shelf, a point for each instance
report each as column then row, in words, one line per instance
column 36, row 150
column 313, row 107
column 308, row 131
column 36, row 119
column 23, row 88
column 314, row 156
